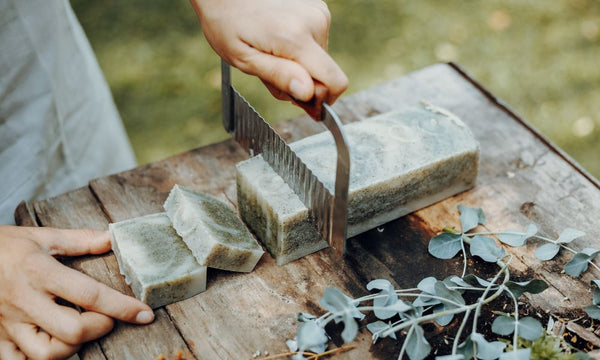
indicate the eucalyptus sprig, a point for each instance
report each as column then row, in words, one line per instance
column 433, row 300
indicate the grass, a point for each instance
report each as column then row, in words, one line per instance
column 540, row 57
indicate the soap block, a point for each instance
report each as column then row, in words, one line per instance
column 212, row 231
column 401, row 161
column 156, row 263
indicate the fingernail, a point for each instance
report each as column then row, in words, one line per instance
column 298, row 90
column 144, row 317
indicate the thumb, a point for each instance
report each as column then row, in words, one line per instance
column 64, row 242
column 285, row 75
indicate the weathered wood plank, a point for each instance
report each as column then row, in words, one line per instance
column 79, row 209
column 25, row 214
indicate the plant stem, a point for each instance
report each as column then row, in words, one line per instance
column 516, row 335
column 459, row 331
column 311, row 356
column 405, row 343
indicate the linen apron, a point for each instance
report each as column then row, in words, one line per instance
column 59, row 127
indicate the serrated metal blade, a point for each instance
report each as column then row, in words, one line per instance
column 327, row 212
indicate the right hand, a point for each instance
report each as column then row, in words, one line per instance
column 283, row 42
column 32, row 324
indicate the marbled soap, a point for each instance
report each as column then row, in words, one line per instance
column 212, row 231
column 156, row 263
column 400, row 162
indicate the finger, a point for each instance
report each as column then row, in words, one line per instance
column 278, row 94
column 314, row 107
column 8, row 349
column 38, row 344
column 68, row 324
column 90, row 294
column 285, row 75
column 323, row 68
column 66, row 241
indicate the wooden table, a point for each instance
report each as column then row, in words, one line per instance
column 522, row 178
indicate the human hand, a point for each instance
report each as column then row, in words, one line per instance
column 283, row 42
column 32, row 324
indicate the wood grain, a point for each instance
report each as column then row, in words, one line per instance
column 522, row 179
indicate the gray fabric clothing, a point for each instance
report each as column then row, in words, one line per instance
column 59, row 127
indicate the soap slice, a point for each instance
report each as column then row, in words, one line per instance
column 213, row 232
column 156, row 263
column 400, row 162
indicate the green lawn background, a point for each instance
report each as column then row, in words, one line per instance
column 542, row 57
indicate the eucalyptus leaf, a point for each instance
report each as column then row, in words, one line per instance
column 547, row 251
column 520, row 354
column 427, row 285
column 311, row 337
column 378, row 327
column 443, row 320
column 387, row 299
column 487, row 350
column 475, row 280
column 417, row 346
column 530, row 328
column 503, row 325
column 302, row 317
column 454, row 296
column 534, row 286
column 486, row 248
column 582, row 356
column 531, row 231
column 596, row 296
column 568, row 235
column 457, row 280
column 593, row 311
column 513, row 238
column 445, row 245
column 470, row 217
column 451, row 357
column 342, row 309
column 580, row 262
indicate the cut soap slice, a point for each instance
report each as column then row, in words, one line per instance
column 400, row 162
column 213, row 232
column 155, row 261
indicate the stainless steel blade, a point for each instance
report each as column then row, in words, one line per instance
column 327, row 212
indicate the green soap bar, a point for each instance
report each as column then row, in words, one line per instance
column 155, row 261
column 213, row 232
column 400, row 162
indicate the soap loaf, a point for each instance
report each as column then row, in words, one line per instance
column 400, row 162
column 155, row 261
column 213, row 232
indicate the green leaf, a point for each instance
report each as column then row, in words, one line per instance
column 534, row 286
column 568, row 235
column 579, row 263
column 377, row 328
column 530, row 231
column 596, row 296
column 520, row 354
column 475, row 280
column 547, row 251
column 303, row 317
column 451, row 357
column 442, row 291
column 503, row 325
column 443, row 320
column 417, row 346
column 342, row 309
column 311, row 337
column 470, row 217
column 486, row 248
column 389, row 298
column 529, row 328
column 593, row 311
column 445, row 245
column 487, row 350
column 513, row 238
